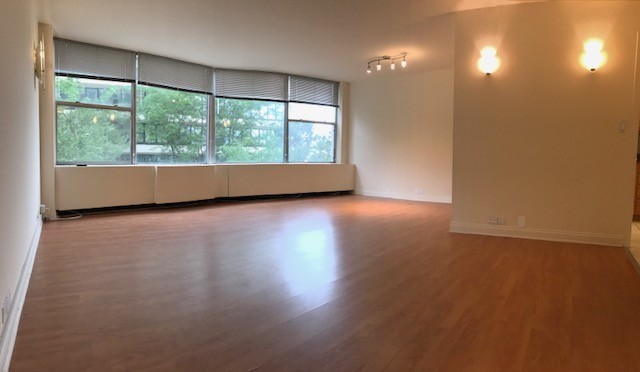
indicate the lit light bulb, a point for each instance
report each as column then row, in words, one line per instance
column 368, row 68
column 378, row 66
column 404, row 62
column 593, row 57
column 393, row 65
column 95, row 120
column 113, row 117
column 488, row 62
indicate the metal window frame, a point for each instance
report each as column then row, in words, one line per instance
column 335, row 127
column 284, row 128
column 97, row 106
column 210, row 151
column 335, row 137
column 133, row 159
column 207, row 116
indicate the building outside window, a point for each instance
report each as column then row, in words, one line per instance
column 171, row 126
column 249, row 131
column 91, row 129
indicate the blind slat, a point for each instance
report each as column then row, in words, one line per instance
column 250, row 84
column 156, row 70
column 310, row 90
column 92, row 60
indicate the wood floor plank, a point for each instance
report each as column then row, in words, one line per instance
column 340, row 283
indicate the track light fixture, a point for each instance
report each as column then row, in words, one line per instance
column 392, row 59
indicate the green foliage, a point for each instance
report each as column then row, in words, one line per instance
column 67, row 89
column 249, row 131
column 93, row 136
column 87, row 135
column 310, row 142
column 171, row 127
column 93, row 91
column 173, row 121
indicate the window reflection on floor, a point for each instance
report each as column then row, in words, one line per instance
column 308, row 259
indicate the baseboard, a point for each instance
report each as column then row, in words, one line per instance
column 538, row 234
column 403, row 196
column 10, row 330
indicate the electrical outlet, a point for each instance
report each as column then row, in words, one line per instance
column 6, row 305
column 496, row 220
column 522, row 221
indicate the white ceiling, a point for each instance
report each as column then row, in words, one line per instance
column 330, row 39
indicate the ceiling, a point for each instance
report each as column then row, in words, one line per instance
column 331, row 39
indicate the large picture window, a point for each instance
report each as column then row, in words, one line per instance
column 171, row 126
column 116, row 106
column 249, row 131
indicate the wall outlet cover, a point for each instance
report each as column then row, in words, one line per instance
column 522, row 221
column 497, row 220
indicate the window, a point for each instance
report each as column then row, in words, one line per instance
column 249, row 131
column 92, row 128
column 311, row 133
column 93, row 91
column 171, row 126
column 116, row 106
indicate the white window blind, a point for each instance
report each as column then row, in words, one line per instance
column 309, row 90
column 250, row 85
column 76, row 58
column 172, row 73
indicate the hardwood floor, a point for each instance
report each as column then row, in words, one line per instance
column 338, row 283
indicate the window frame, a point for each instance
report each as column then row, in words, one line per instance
column 214, row 159
column 307, row 95
column 207, row 126
column 97, row 106
column 335, row 131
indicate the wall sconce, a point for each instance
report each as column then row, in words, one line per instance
column 378, row 61
column 488, row 62
column 39, row 61
column 593, row 57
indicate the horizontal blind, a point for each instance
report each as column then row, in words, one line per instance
column 250, row 84
column 76, row 58
column 310, row 90
column 172, row 73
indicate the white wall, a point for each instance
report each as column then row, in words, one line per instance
column 540, row 137
column 47, row 126
column 401, row 130
column 19, row 154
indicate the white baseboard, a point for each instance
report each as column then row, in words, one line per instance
column 538, row 234
column 403, row 196
column 10, row 330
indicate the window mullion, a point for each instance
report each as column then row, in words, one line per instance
column 93, row 106
column 286, row 133
column 211, row 130
column 134, row 104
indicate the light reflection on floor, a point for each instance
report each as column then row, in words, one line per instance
column 309, row 257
